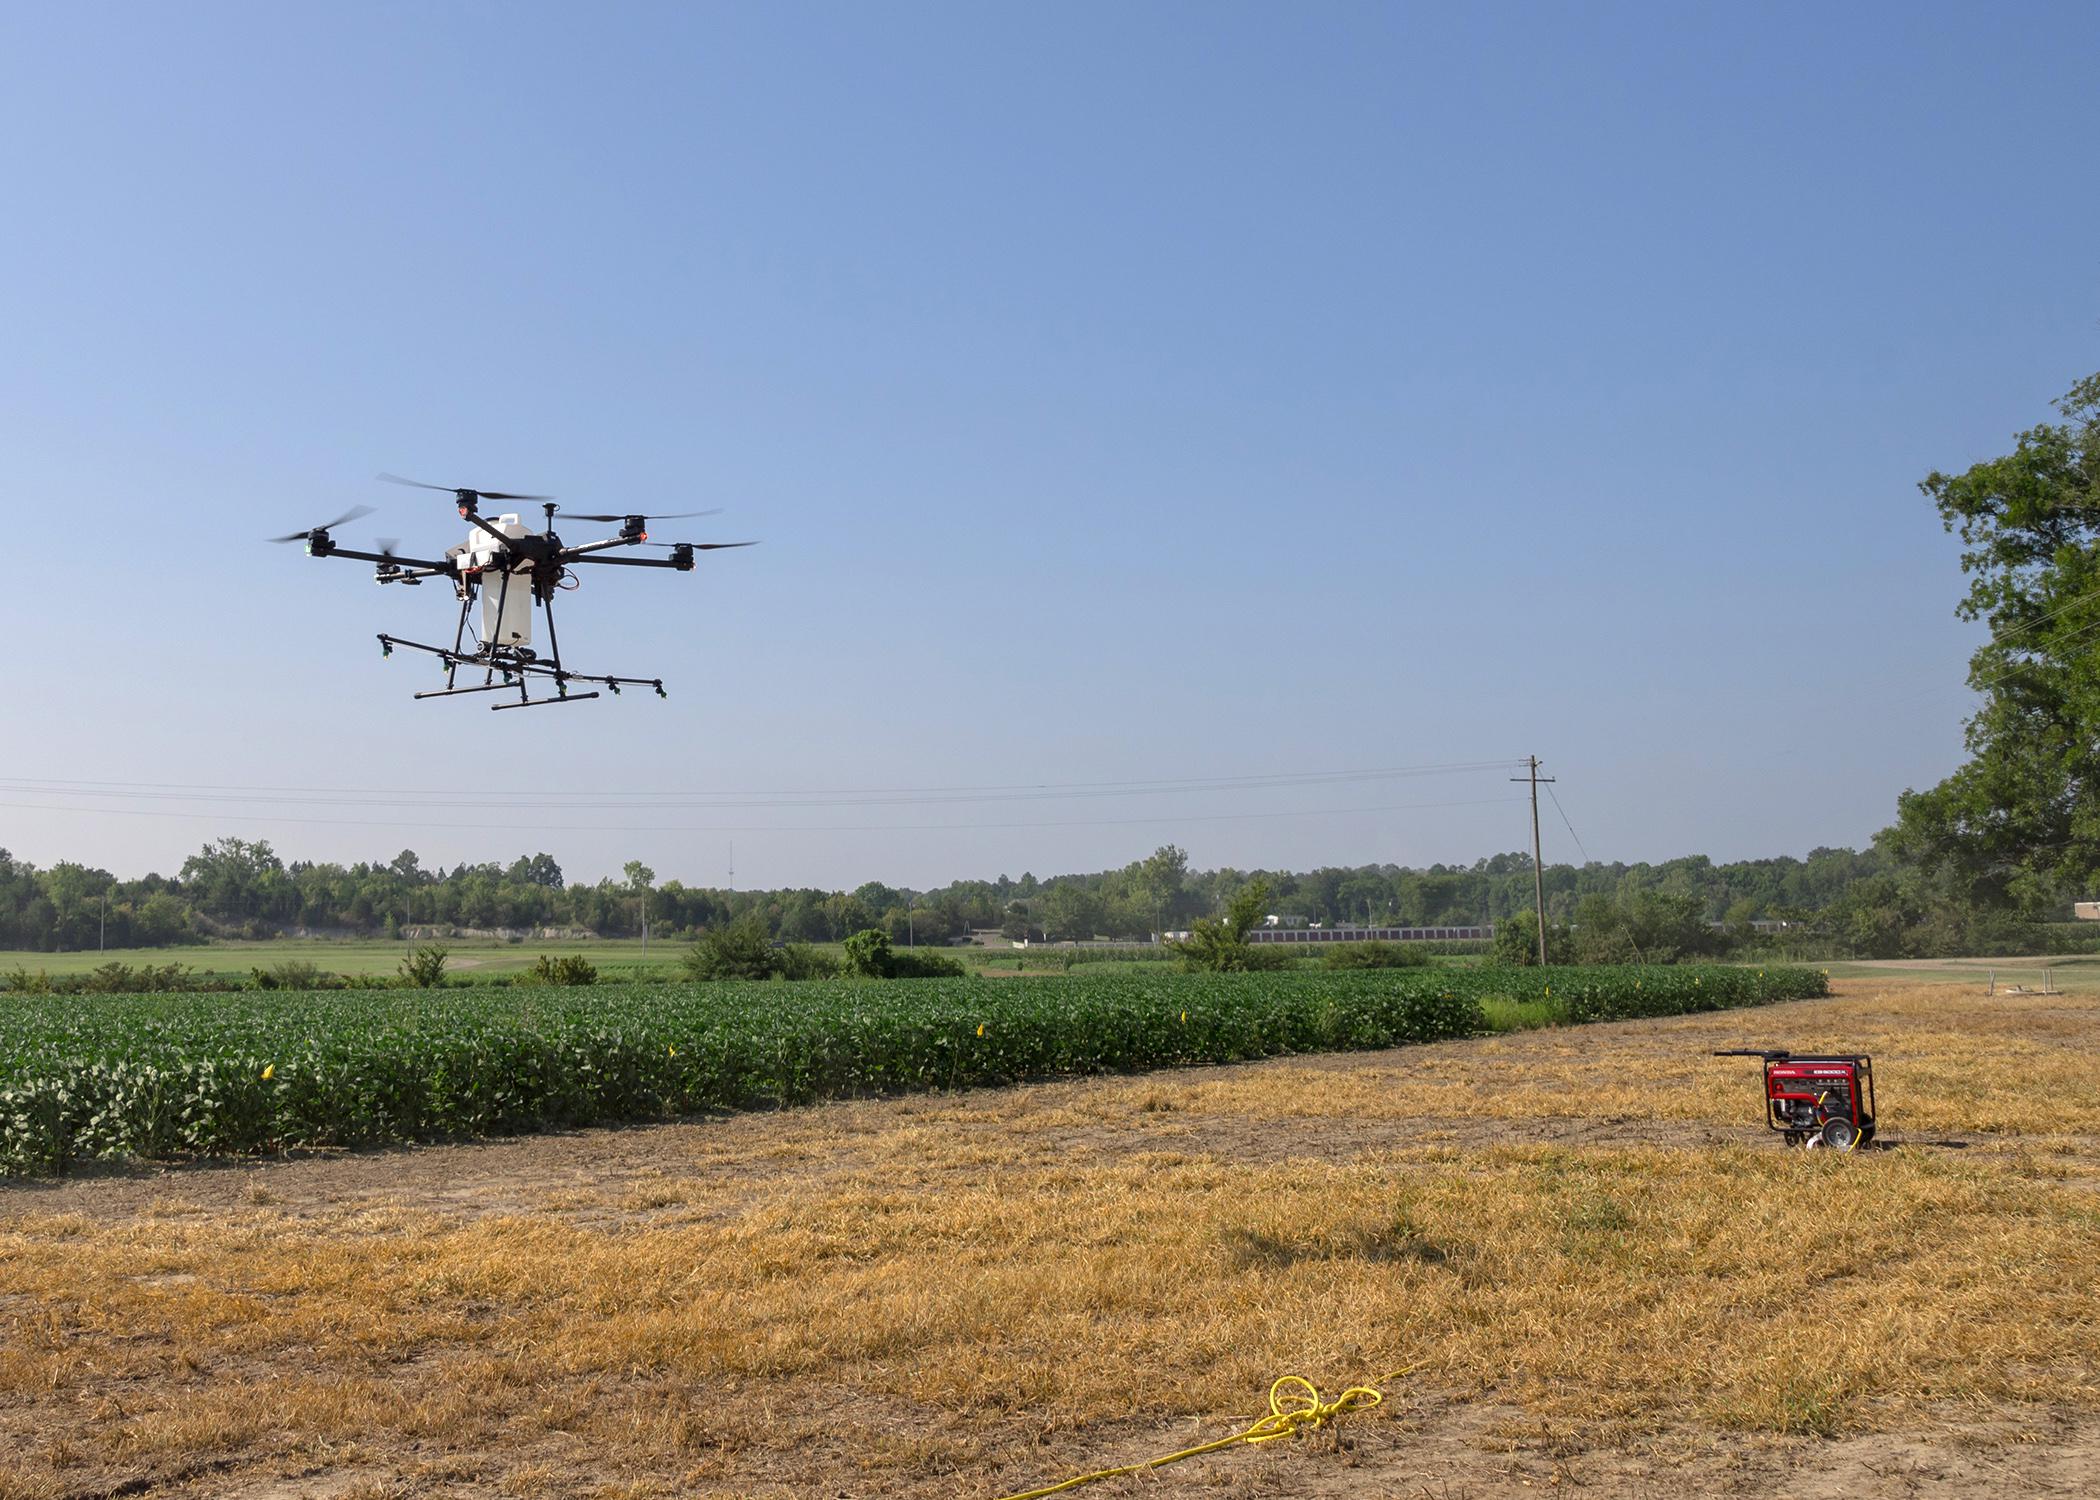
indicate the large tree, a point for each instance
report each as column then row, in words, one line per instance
column 1159, row 879
column 2019, row 824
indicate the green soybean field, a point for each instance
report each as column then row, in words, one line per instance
column 170, row 1076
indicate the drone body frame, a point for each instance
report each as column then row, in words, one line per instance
column 513, row 570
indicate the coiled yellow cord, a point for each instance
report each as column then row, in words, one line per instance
column 1294, row 1403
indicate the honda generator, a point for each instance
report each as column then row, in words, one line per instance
column 1817, row 1101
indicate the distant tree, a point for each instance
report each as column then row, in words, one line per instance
column 1647, row 927
column 425, row 968
column 1219, row 944
column 919, row 963
column 2015, row 824
column 801, row 961
column 1374, row 956
column 567, row 970
column 875, row 896
column 846, row 913
column 1517, row 941
column 640, row 880
column 232, row 879
column 1160, row 878
column 161, row 921
column 1070, row 911
column 737, row 950
column 939, row 925
column 868, row 954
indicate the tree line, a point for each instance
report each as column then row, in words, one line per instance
column 1867, row 902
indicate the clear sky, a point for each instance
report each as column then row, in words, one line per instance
column 1122, row 393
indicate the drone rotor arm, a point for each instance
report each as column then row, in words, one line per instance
column 581, row 552
column 622, row 562
column 394, row 558
column 483, row 522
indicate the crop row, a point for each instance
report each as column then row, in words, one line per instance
column 162, row 1075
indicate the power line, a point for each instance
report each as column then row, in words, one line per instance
column 2069, row 604
column 1570, row 826
column 2083, row 632
column 483, row 825
column 1624, row 925
column 607, row 799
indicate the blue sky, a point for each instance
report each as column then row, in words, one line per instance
column 1121, row 394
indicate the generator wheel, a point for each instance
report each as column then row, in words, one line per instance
column 1840, row 1134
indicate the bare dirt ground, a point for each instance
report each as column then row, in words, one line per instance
column 1609, row 1278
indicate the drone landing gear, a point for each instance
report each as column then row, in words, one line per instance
column 544, row 702
column 453, row 692
column 517, row 670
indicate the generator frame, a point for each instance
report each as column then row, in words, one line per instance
column 1800, row 1088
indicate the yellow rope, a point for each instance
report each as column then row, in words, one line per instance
column 1294, row 1402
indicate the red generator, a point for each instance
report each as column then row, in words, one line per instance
column 1817, row 1101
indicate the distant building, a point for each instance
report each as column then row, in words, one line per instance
column 2086, row 911
column 1307, row 934
column 1477, row 934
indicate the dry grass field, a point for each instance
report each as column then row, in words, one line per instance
column 1613, row 1280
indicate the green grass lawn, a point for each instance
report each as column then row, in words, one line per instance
column 615, row 957
column 467, row 957
column 2079, row 973
column 350, row 956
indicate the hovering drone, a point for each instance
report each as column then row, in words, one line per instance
column 512, row 569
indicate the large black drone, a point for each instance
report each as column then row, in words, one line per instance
column 512, row 568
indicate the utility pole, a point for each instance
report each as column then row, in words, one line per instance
column 1538, row 865
column 102, row 932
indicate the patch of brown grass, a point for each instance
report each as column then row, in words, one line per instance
column 1947, row 1059
column 996, row 1288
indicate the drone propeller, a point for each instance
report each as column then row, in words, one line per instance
column 635, row 515
column 387, row 544
column 699, row 546
column 463, row 494
column 349, row 515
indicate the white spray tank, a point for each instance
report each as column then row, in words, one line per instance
column 506, row 613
